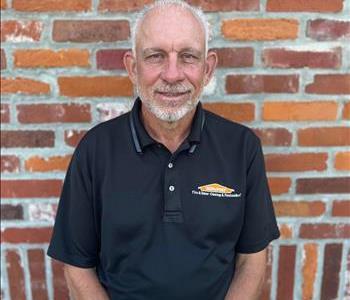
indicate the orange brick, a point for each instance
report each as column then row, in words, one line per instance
column 305, row 6
column 342, row 161
column 3, row 4
column 24, row 86
column 73, row 137
column 260, row 29
column 45, row 58
column 239, row 112
column 324, row 136
column 346, row 111
column 300, row 111
column 309, row 270
column 296, row 162
column 286, row 231
column 341, row 208
column 279, row 185
column 42, row 164
column 299, row 208
column 51, row 5
column 107, row 86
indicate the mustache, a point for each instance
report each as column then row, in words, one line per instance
column 172, row 88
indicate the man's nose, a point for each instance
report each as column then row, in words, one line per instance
column 172, row 71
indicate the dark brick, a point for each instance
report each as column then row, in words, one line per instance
column 328, row 30
column 235, row 57
column 286, row 266
column 325, row 185
column 31, row 139
column 331, row 271
column 11, row 212
column 110, row 59
column 90, row 31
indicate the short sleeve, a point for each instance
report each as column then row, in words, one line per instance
column 74, row 240
column 259, row 225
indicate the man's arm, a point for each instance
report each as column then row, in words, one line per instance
column 83, row 284
column 249, row 276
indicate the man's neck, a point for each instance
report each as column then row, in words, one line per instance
column 170, row 134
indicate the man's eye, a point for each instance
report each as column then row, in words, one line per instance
column 154, row 57
column 187, row 57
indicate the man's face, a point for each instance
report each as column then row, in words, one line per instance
column 170, row 70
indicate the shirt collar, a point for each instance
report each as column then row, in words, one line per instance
column 142, row 139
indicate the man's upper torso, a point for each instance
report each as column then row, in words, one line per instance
column 158, row 225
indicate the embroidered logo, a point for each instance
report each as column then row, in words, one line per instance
column 216, row 190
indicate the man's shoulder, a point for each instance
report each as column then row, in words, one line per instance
column 221, row 125
column 102, row 133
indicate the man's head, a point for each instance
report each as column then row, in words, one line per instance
column 170, row 64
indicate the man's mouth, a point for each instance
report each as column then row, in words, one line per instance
column 171, row 94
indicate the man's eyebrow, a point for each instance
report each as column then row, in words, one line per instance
column 187, row 49
column 150, row 50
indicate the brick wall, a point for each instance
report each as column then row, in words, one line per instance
column 283, row 71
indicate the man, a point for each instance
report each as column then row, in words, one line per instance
column 168, row 201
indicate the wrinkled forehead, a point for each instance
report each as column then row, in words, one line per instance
column 170, row 25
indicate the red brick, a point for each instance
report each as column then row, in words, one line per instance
column 260, row 29
column 324, row 136
column 328, row 30
column 235, row 57
column 331, row 271
column 51, row 5
column 300, row 111
column 342, row 161
column 35, row 188
column 329, row 84
column 23, row 86
column 3, row 4
column 90, row 31
column 27, row 138
column 279, row 185
column 5, row 113
column 3, row 64
column 36, row 258
column 73, row 137
column 305, row 6
column 274, row 136
column 243, row 84
column 324, row 185
column 54, row 113
column 60, row 289
column 49, row 164
column 289, row 58
column 341, row 208
column 286, row 231
column 296, row 162
column 110, row 59
column 31, row 235
column 224, row 5
column 46, row 58
column 238, row 112
column 11, row 212
column 9, row 163
column 286, row 267
column 324, row 231
column 15, row 274
column 346, row 111
column 299, row 208
column 123, row 6
column 309, row 270
column 266, row 289
column 102, row 86
column 21, row 31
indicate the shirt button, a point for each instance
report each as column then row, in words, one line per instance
column 171, row 188
column 170, row 165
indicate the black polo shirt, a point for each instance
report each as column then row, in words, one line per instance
column 158, row 225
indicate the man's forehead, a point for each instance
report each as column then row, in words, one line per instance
column 171, row 22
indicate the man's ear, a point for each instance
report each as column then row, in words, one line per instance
column 210, row 65
column 130, row 65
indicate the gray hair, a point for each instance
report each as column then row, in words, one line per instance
column 197, row 13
